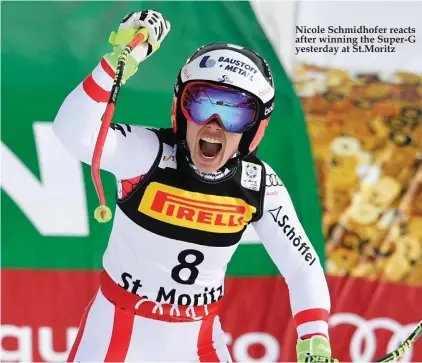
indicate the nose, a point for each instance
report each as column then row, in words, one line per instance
column 213, row 124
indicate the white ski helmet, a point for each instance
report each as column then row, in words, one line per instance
column 230, row 65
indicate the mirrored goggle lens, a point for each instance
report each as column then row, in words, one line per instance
column 236, row 110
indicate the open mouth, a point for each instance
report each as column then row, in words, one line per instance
column 209, row 147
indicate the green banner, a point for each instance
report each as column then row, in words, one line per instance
column 48, row 197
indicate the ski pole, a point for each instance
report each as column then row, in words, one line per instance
column 392, row 356
column 103, row 213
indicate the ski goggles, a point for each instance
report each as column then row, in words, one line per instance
column 235, row 110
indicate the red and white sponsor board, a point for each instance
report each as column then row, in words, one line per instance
column 39, row 322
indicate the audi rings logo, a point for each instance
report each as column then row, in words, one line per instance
column 364, row 342
column 272, row 180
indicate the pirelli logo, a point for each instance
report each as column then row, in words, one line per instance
column 192, row 210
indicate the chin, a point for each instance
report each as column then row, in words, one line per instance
column 207, row 166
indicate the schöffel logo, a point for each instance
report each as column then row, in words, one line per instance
column 225, row 78
column 206, row 62
column 193, row 210
column 292, row 234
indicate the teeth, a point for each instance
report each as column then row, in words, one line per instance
column 211, row 141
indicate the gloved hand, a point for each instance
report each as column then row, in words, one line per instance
column 157, row 27
column 315, row 349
